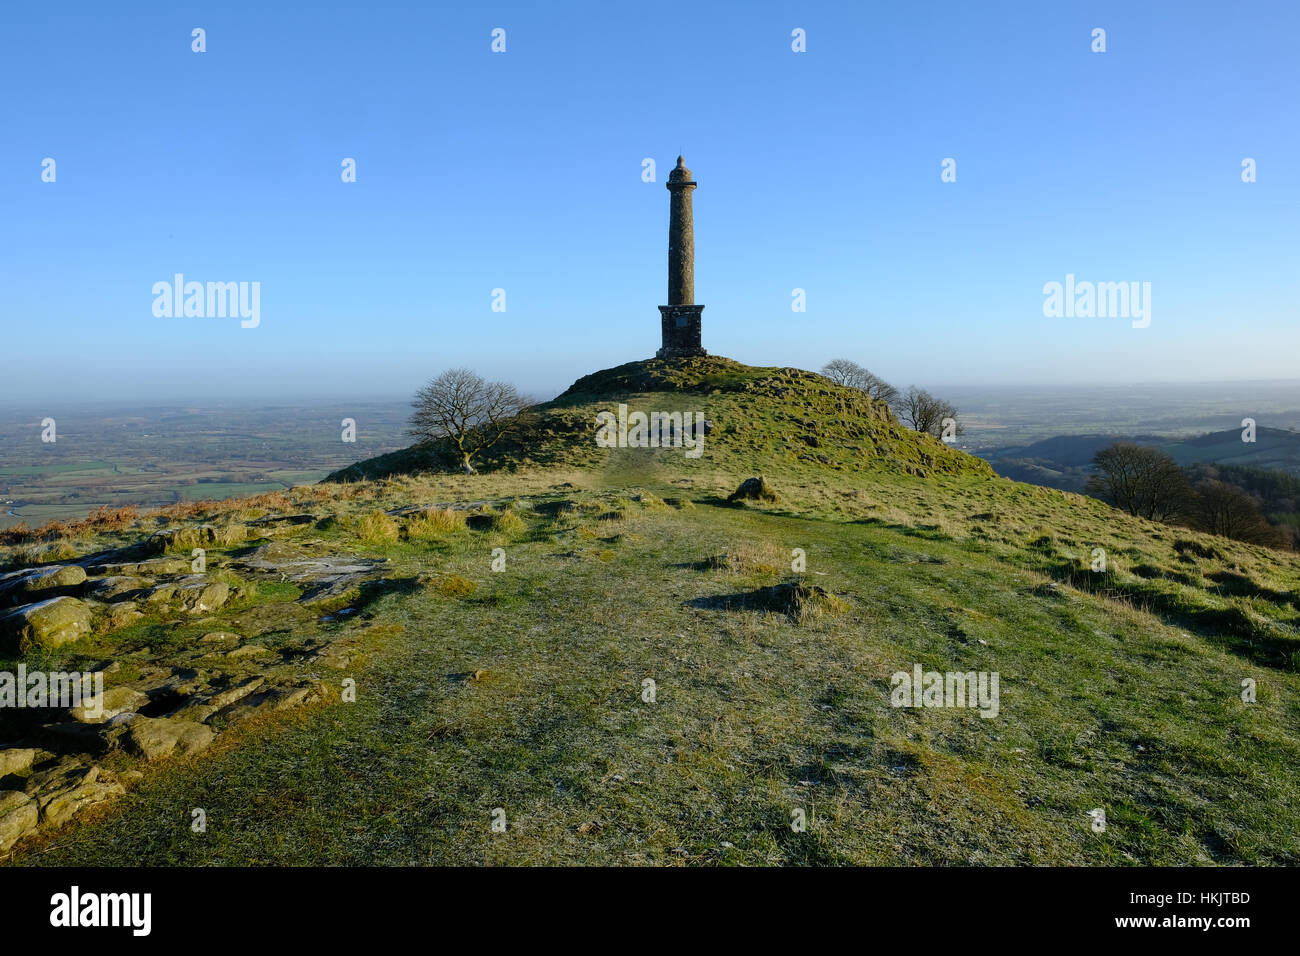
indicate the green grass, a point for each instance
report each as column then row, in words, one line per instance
column 522, row 689
column 205, row 490
column 1105, row 702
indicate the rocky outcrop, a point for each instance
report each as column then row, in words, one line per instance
column 155, row 737
column 177, row 703
column 113, row 702
column 323, row 577
column 754, row 489
column 37, row 584
column 199, row 536
column 16, row 760
column 197, row 594
column 114, row 587
column 65, row 789
column 18, row 817
column 51, row 623
column 154, row 567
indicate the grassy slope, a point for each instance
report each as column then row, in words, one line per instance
column 764, row 418
column 1118, row 690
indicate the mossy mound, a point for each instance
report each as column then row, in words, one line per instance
column 772, row 420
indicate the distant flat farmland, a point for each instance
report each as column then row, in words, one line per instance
column 153, row 456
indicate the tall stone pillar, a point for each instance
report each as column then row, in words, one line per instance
column 681, row 237
column 681, row 316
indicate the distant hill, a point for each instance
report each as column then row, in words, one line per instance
column 1066, row 461
column 1274, row 449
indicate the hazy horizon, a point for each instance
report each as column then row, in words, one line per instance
column 172, row 399
column 300, row 399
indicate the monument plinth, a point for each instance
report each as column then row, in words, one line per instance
column 681, row 316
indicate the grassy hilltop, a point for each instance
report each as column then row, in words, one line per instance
column 524, row 688
column 765, row 419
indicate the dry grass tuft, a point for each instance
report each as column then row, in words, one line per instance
column 377, row 528
column 435, row 523
column 747, row 558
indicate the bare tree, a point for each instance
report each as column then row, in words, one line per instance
column 1142, row 481
column 469, row 412
column 844, row 372
column 853, row 375
column 879, row 389
column 1221, row 508
column 920, row 410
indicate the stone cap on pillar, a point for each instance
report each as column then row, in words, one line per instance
column 680, row 176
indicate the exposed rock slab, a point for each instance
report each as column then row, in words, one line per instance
column 122, row 613
column 156, row 737
column 154, row 567
column 114, row 586
column 67, row 788
column 18, row 817
column 16, row 760
column 274, row 520
column 102, row 708
column 277, row 698
column 198, row 594
column 51, row 623
column 321, row 577
column 198, row 536
column 36, row 584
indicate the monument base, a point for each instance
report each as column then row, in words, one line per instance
column 681, row 331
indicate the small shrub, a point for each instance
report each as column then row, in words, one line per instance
column 52, row 530
column 61, row 550
column 18, row 534
column 811, row 603
column 105, row 518
column 276, row 501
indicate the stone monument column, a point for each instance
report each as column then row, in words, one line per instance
column 681, row 316
column 681, row 237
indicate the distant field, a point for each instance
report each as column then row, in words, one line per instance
column 232, row 489
column 52, row 469
column 158, row 455
column 149, row 457
column 1001, row 416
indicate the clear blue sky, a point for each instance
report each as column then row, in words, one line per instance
column 522, row 170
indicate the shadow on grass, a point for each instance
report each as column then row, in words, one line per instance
column 791, row 598
column 358, row 598
column 1232, row 628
